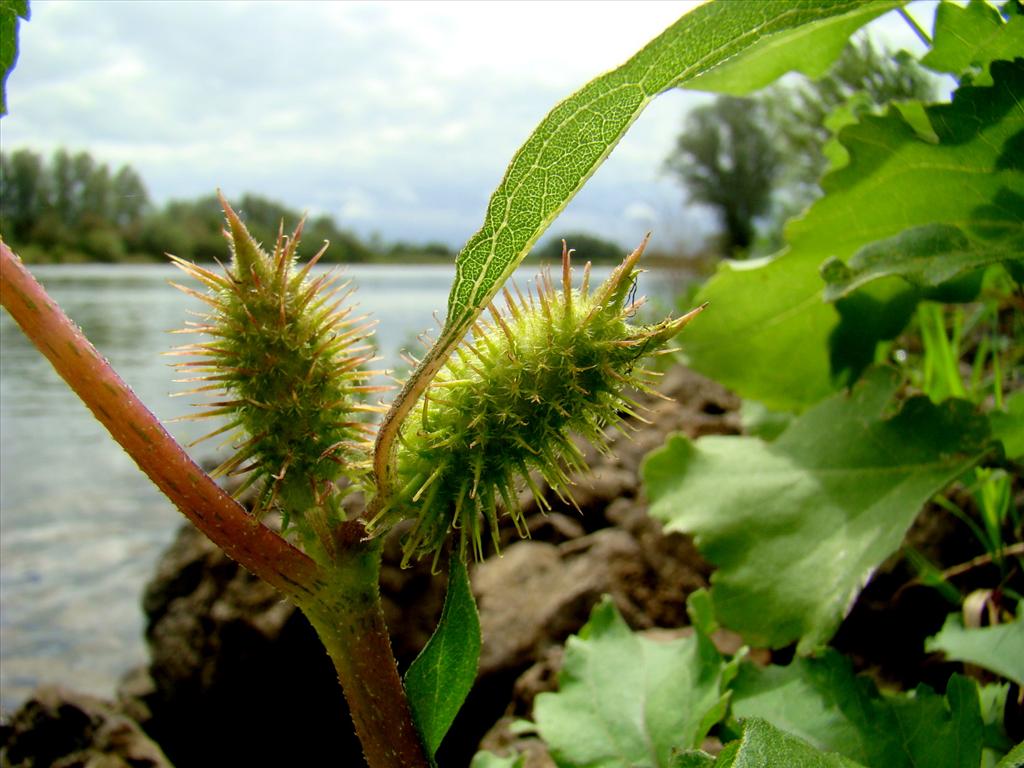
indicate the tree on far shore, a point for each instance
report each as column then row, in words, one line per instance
column 754, row 161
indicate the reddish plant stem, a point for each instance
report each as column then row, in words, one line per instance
column 342, row 600
column 140, row 433
column 348, row 618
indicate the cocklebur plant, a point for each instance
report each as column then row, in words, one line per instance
column 293, row 378
column 508, row 402
column 287, row 366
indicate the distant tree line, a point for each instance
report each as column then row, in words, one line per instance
column 586, row 248
column 72, row 208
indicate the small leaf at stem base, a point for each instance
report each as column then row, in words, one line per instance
column 441, row 677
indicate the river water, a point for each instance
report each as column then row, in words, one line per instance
column 80, row 527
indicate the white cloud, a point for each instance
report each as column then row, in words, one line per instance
column 399, row 116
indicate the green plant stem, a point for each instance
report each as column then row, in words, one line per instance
column 384, row 449
column 346, row 613
column 140, row 433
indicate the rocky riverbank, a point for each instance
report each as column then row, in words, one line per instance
column 237, row 677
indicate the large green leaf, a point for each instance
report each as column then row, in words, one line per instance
column 440, row 678
column 625, row 700
column 767, row 332
column 823, row 702
column 810, row 49
column 999, row 649
column 575, row 138
column 817, row 509
column 762, row 745
column 967, row 39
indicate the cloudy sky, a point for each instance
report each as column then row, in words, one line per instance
column 396, row 118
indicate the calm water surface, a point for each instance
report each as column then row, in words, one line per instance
column 80, row 527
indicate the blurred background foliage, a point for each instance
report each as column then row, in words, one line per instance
column 755, row 162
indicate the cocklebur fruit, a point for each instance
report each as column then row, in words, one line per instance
column 508, row 402
column 286, row 362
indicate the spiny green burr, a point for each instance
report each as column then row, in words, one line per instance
column 507, row 403
column 286, row 361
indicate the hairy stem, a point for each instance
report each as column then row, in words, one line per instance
column 347, row 616
column 140, row 433
column 419, row 380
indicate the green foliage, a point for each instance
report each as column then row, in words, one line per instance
column 762, row 422
column 919, row 195
column 441, row 677
column 923, row 202
column 968, row 39
column 624, row 700
column 1008, row 425
column 810, row 49
column 924, row 256
column 761, row 745
column 490, row 760
column 758, row 159
column 808, row 115
column 819, row 508
column 415, row 253
column 993, row 496
column 1014, row 759
column 998, row 648
column 823, row 702
column 894, row 180
column 11, row 13
column 263, row 218
column 74, row 208
column 667, row 695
